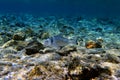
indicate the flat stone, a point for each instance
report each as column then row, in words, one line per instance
column 33, row 47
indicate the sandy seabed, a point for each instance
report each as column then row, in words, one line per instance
column 23, row 56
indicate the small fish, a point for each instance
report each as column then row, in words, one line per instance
column 58, row 42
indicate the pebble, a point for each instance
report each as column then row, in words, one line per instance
column 33, row 47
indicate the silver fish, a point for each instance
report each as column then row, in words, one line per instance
column 58, row 42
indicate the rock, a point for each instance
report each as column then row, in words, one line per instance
column 91, row 72
column 19, row 36
column 4, row 73
column 36, row 71
column 114, row 67
column 113, row 51
column 5, row 63
column 99, row 39
column 11, row 57
column 93, row 44
column 49, row 56
column 8, row 50
column 8, row 44
column 29, row 31
column 78, row 69
column 45, row 35
column 81, row 50
column 17, row 45
column 73, row 63
column 66, row 50
column 112, row 45
column 117, row 73
column 41, row 72
column 112, row 58
column 95, row 51
column 33, row 47
column 4, row 38
column 94, row 57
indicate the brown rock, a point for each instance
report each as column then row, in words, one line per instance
column 36, row 71
column 17, row 45
column 93, row 44
column 33, row 47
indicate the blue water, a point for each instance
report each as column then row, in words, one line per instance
column 62, row 7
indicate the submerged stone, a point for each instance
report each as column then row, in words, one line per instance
column 93, row 44
column 90, row 72
column 112, row 58
column 19, row 36
column 67, row 50
column 17, row 45
column 45, row 35
column 33, row 47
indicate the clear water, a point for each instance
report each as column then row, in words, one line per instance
column 62, row 7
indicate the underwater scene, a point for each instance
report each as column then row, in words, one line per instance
column 59, row 39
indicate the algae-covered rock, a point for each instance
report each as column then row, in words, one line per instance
column 37, row 71
column 94, row 71
column 45, row 35
column 81, row 69
column 117, row 73
column 66, row 50
column 113, row 51
column 33, row 47
column 45, row 73
column 115, row 68
column 7, row 51
column 18, row 45
column 4, row 38
column 29, row 31
column 19, row 36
